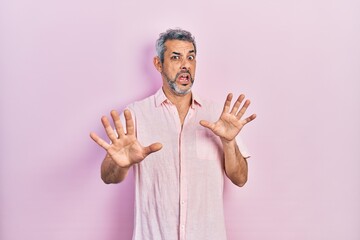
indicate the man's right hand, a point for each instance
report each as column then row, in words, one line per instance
column 124, row 149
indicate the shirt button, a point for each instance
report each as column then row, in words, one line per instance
column 183, row 202
column 182, row 227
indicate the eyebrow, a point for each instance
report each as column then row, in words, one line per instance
column 176, row 53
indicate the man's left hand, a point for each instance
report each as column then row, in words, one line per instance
column 230, row 123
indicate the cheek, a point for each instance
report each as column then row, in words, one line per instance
column 171, row 67
column 193, row 65
column 174, row 69
column 193, row 68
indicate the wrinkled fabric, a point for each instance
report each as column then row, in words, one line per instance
column 179, row 189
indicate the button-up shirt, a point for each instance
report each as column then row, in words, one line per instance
column 179, row 189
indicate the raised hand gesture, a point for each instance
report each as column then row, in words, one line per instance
column 230, row 123
column 124, row 149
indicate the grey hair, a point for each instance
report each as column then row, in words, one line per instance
column 172, row 34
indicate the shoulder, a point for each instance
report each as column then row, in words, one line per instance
column 210, row 107
column 144, row 105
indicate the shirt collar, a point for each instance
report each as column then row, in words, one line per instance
column 160, row 98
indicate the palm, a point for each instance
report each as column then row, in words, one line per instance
column 230, row 123
column 124, row 149
column 227, row 126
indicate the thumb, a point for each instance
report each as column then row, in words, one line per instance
column 152, row 148
column 207, row 124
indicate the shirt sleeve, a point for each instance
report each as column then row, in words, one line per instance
column 242, row 147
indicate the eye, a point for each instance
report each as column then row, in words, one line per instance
column 191, row 57
column 175, row 57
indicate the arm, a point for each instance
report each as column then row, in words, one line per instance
column 112, row 172
column 124, row 150
column 236, row 167
column 227, row 128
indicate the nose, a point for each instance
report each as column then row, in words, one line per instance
column 185, row 65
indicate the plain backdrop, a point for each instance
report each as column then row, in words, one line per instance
column 64, row 64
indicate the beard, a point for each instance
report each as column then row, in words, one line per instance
column 175, row 88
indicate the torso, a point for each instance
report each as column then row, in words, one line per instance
column 182, row 184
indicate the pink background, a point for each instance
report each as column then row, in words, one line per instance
column 64, row 64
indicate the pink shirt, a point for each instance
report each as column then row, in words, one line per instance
column 179, row 189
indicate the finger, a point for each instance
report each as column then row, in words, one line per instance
column 129, row 122
column 152, row 148
column 207, row 124
column 117, row 122
column 249, row 119
column 99, row 141
column 108, row 129
column 237, row 104
column 227, row 103
column 243, row 109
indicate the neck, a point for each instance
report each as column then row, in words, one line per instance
column 180, row 101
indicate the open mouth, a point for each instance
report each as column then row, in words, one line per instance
column 184, row 79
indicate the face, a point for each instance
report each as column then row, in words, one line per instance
column 178, row 68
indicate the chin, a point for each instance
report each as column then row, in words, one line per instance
column 182, row 91
column 178, row 91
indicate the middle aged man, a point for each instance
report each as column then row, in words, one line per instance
column 178, row 190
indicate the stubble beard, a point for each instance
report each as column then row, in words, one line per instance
column 175, row 88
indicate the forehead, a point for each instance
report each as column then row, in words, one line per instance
column 178, row 46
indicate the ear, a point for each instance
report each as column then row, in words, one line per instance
column 157, row 64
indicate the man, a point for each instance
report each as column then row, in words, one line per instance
column 190, row 145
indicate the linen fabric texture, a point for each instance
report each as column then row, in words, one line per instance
column 179, row 189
